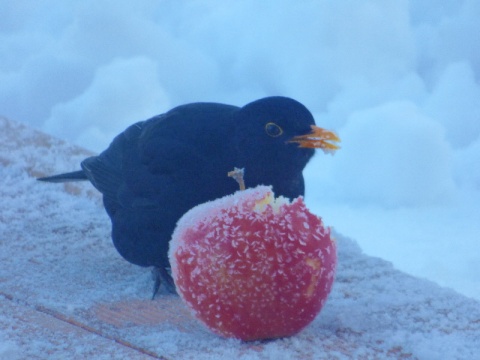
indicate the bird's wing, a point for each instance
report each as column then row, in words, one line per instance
column 105, row 171
column 144, row 165
column 160, row 172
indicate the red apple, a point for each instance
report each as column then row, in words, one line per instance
column 252, row 266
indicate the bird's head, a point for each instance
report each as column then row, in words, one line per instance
column 279, row 132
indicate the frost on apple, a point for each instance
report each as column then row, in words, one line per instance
column 252, row 266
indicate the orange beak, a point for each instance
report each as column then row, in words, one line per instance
column 318, row 138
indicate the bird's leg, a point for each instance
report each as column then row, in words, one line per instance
column 161, row 275
column 237, row 175
column 157, row 281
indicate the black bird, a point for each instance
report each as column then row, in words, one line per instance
column 158, row 169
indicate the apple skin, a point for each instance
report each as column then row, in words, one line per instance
column 253, row 267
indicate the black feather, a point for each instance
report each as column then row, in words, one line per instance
column 71, row 176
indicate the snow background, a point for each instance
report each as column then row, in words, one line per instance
column 398, row 80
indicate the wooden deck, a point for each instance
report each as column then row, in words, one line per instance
column 66, row 293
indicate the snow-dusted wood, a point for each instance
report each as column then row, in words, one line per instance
column 66, row 293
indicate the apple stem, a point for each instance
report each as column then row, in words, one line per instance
column 237, row 175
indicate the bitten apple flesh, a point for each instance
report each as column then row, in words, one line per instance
column 252, row 266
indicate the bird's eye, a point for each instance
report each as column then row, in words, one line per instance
column 273, row 129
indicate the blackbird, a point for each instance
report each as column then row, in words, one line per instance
column 158, row 169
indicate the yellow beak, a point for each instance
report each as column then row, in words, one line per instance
column 318, row 138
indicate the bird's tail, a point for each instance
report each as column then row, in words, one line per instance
column 71, row 176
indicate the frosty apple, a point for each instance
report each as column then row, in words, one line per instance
column 252, row 266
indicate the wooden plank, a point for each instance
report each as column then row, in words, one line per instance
column 65, row 292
